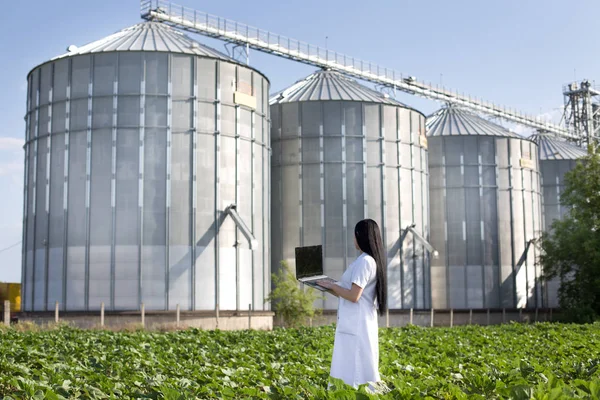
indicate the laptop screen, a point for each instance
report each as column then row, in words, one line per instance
column 309, row 261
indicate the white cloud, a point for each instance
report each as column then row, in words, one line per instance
column 11, row 157
column 11, row 206
column 11, row 143
column 12, row 226
column 553, row 116
column 11, row 168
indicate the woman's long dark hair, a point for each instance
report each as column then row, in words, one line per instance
column 368, row 238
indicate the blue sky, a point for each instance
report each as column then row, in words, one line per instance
column 513, row 52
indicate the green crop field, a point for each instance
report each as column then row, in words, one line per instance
column 542, row 361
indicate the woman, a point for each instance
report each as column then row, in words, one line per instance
column 362, row 292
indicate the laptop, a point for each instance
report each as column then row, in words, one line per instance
column 309, row 266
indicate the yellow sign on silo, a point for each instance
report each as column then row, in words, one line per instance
column 12, row 293
column 527, row 163
column 244, row 100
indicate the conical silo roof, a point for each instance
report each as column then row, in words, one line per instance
column 456, row 121
column 147, row 36
column 326, row 85
column 553, row 148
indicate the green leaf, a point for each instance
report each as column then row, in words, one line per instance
column 543, row 361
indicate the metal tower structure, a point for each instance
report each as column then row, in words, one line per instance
column 249, row 37
column 582, row 111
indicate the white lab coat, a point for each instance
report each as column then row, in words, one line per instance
column 356, row 348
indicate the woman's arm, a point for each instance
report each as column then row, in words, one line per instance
column 352, row 295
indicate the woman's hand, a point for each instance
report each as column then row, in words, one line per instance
column 329, row 286
column 352, row 295
column 326, row 284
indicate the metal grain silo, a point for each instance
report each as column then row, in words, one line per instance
column 485, row 208
column 556, row 158
column 136, row 145
column 343, row 152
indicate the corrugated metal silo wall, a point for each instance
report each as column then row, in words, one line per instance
column 131, row 159
column 485, row 206
column 553, row 183
column 321, row 188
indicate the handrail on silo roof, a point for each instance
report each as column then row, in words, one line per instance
column 524, row 255
column 231, row 31
column 232, row 212
column 420, row 238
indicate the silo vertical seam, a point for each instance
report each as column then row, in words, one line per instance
column 544, row 294
column 252, row 188
column 34, row 207
column 445, row 202
column 48, row 186
column 263, row 154
column 278, row 143
column 428, row 220
column 425, row 215
column 321, row 179
column 534, row 195
column 418, row 171
column 113, row 184
column 344, row 187
column 66, row 184
column 464, row 221
column 541, row 215
column 238, row 282
column 481, row 222
column 237, row 192
column 276, row 165
column 412, row 205
column 88, row 173
column 266, row 200
column 544, row 221
column 194, row 196
column 399, row 172
column 497, row 217
column 218, row 215
column 266, row 133
column 542, row 207
column 141, row 181
column 512, row 233
column 167, row 260
column 365, row 164
column 426, row 297
column 523, row 190
column 382, row 166
column 300, row 176
column 535, row 231
column 419, row 296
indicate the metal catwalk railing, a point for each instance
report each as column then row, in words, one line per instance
column 209, row 25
